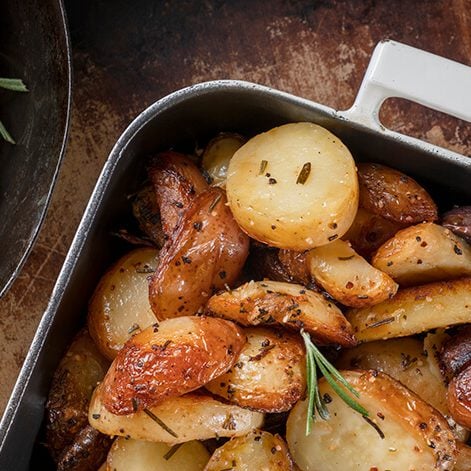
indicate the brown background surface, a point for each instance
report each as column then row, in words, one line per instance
column 129, row 54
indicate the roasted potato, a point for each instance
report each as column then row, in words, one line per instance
column 414, row 310
column 348, row 277
column 286, row 304
column 424, row 253
column 176, row 181
column 257, row 450
column 218, row 153
column 455, row 352
column 170, row 359
column 269, row 374
column 177, row 420
column 206, row 253
column 67, row 406
column 137, row 455
column 394, row 196
column 120, row 305
column 459, row 397
column 293, row 187
column 402, row 431
column 458, row 220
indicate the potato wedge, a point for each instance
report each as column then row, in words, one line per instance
column 402, row 431
column 206, row 253
column 170, row 359
column 137, row 455
column 190, row 417
column 120, row 305
column 257, row 450
column 414, row 310
column 269, row 374
column 218, row 153
column 458, row 220
column 293, row 187
column 394, row 196
column 422, row 254
column 286, row 304
column 459, row 397
column 348, row 277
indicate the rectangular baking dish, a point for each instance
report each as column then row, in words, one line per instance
column 193, row 115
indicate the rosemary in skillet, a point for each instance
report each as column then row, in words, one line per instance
column 15, row 85
column 315, row 359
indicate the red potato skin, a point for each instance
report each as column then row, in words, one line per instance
column 154, row 366
column 459, row 397
column 206, row 253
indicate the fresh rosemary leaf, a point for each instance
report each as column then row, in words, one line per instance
column 15, row 85
column 5, row 134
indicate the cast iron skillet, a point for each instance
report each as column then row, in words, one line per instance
column 34, row 46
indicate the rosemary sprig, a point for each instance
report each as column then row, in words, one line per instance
column 15, row 85
column 315, row 359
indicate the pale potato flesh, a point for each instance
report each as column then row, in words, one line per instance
column 120, row 305
column 348, row 277
column 190, row 417
column 416, row 436
column 274, row 205
column 414, row 310
column 258, row 450
column 424, row 253
column 137, row 455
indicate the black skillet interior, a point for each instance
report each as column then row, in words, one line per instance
column 182, row 121
column 34, row 47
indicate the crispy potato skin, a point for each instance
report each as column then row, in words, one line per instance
column 455, row 353
column 176, row 180
column 170, row 359
column 459, row 397
column 269, row 374
column 394, row 196
column 207, row 252
column 258, row 450
column 458, row 220
column 286, row 304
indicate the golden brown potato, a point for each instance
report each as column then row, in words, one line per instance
column 414, row 310
column 137, row 455
column 463, row 462
column 402, row 431
column 458, row 220
column 269, row 374
column 293, row 187
column 295, row 264
column 218, row 153
column 369, row 232
column 424, row 253
column 394, row 196
column 177, row 181
column 206, row 253
column 286, row 304
column 170, row 359
column 177, row 420
column 120, row 305
column 67, row 406
column 257, row 450
column 459, row 397
column 347, row 277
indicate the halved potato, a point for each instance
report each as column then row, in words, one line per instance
column 286, row 304
column 269, row 374
column 293, row 187
column 424, row 253
column 120, row 305
column 170, row 359
column 394, row 196
column 177, row 420
column 414, row 310
column 137, row 455
column 402, row 431
column 257, row 450
column 218, row 153
column 347, row 277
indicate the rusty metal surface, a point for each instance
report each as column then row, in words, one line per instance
column 128, row 54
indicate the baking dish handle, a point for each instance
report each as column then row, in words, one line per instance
column 397, row 70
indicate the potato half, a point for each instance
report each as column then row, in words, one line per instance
column 120, row 305
column 293, row 187
column 137, row 455
column 269, row 374
column 402, row 431
column 190, row 417
column 257, row 450
column 414, row 310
